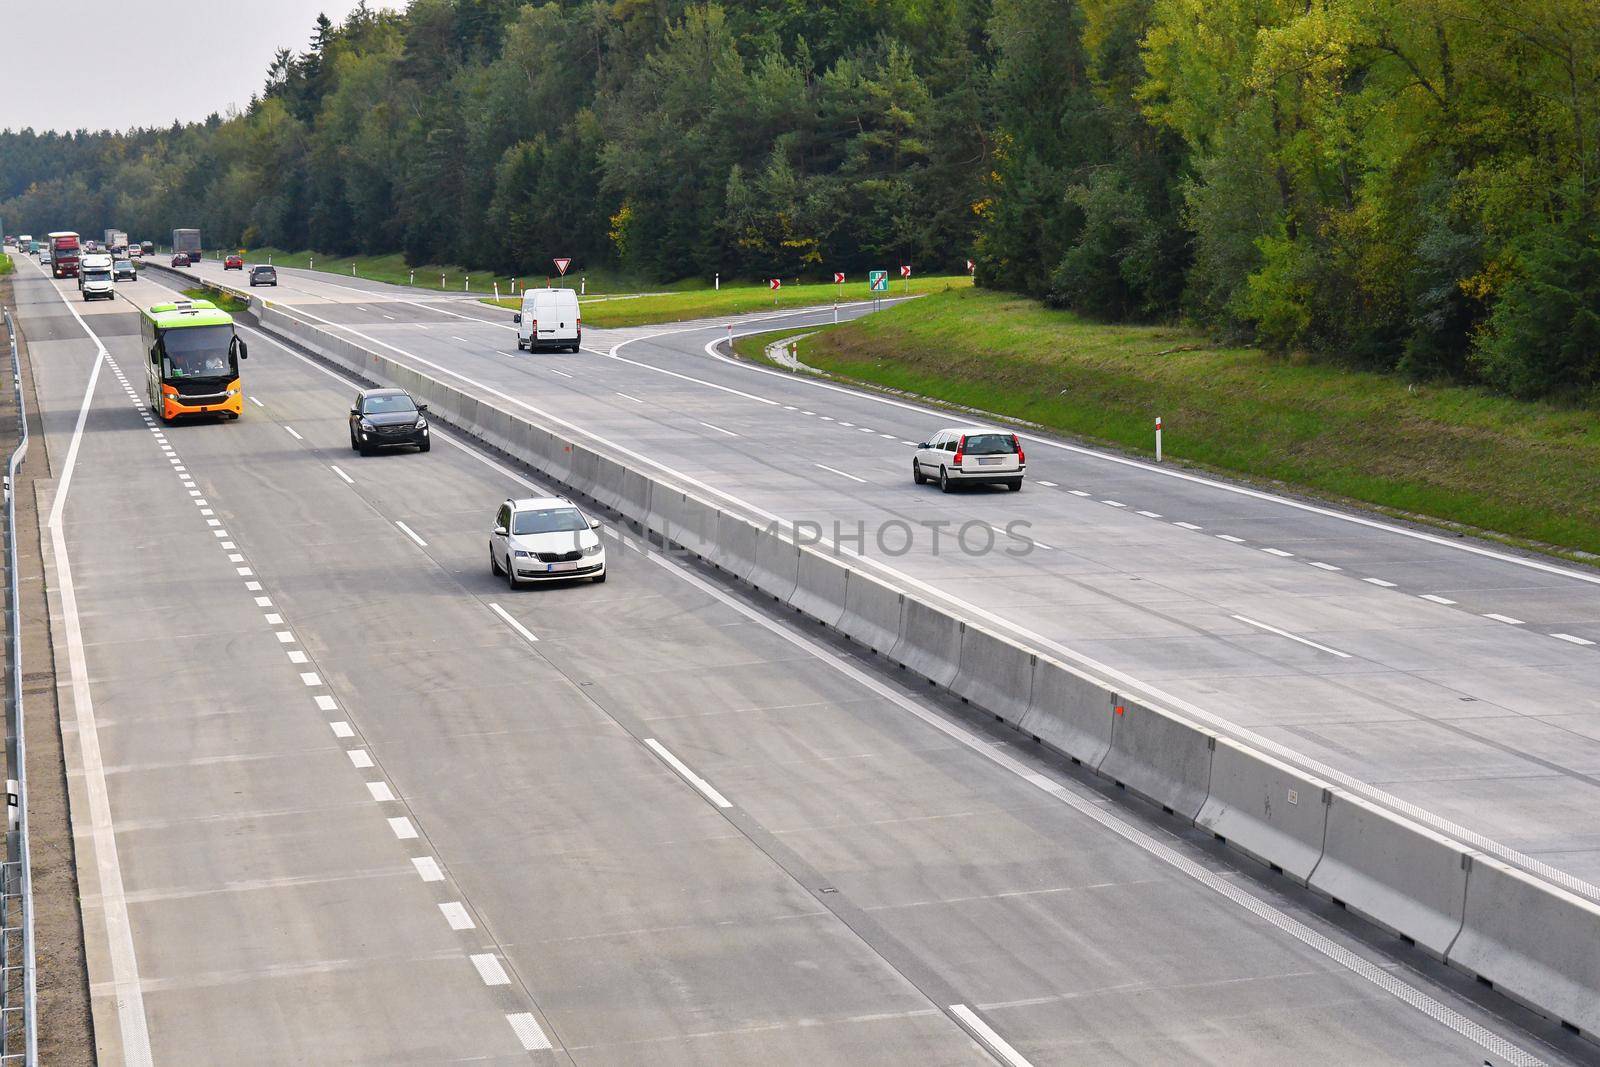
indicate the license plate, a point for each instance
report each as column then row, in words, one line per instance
column 548, row 567
column 988, row 462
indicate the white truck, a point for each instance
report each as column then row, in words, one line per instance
column 94, row 277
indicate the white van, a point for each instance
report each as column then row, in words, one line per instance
column 549, row 319
column 94, row 277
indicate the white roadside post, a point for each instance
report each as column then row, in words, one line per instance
column 716, row 281
column 352, row 270
column 413, row 278
column 441, row 281
column 311, row 264
column 466, row 284
column 497, row 291
column 583, row 285
column 1158, row 438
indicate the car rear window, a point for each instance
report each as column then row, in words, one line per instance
column 991, row 444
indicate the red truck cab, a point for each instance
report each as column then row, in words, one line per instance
column 64, row 254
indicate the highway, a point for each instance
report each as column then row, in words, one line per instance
column 1450, row 679
column 341, row 797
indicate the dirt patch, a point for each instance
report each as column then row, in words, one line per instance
column 66, row 1030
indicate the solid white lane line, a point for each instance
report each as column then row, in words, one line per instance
column 402, row 828
column 513, row 623
column 359, row 757
column 1379, row 582
column 457, row 916
column 1292, row 637
column 1188, row 526
column 293, row 433
column 341, row 729
column 409, row 532
column 489, row 969
column 380, row 792
column 635, row 399
column 689, row 776
column 347, row 479
column 428, row 868
column 1435, row 598
column 327, row 703
column 1232, row 540
column 1572, row 639
column 719, row 429
column 1324, row 566
column 1507, row 619
column 526, row 1027
column 840, row 473
column 132, row 1023
column 986, row 1035
column 1280, row 553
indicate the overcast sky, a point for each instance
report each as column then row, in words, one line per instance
column 144, row 62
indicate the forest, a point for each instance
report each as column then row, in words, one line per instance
column 1403, row 185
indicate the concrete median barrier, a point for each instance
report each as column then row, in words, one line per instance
column 872, row 613
column 1069, row 713
column 777, row 565
column 733, row 545
column 691, row 522
column 1536, row 942
column 636, row 503
column 1394, row 872
column 995, row 675
column 585, row 470
column 607, row 489
column 930, row 642
column 820, row 587
column 1266, row 809
column 1161, row 757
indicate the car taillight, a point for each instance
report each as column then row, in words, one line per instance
column 533, row 325
column 961, row 446
column 1022, row 457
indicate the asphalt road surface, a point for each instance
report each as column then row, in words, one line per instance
column 341, row 797
column 1450, row 679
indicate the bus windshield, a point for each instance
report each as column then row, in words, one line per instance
column 198, row 352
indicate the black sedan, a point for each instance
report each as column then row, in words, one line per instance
column 264, row 274
column 124, row 271
column 387, row 418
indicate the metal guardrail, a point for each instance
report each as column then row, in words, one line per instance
column 18, row 975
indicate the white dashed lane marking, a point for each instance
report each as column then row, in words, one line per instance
column 689, row 776
column 380, row 792
column 1379, row 582
column 1436, row 598
column 457, row 916
column 840, row 473
column 1292, row 637
column 1572, row 639
column 347, row 479
column 489, row 968
column 1507, row 619
column 428, row 868
column 409, row 532
column 526, row 1027
column 360, row 758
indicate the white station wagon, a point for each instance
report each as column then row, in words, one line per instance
column 970, row 454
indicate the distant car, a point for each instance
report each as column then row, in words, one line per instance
column 970, row 454
column 44, row 257
column 147, row 247
column 264, row 274
column 387, row 418
column 545, row 539
column 180, row 259
column 124, row 271
column 10, row 240
column 233, row 263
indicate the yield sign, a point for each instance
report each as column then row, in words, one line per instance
column 905, row 271
column 562, row 265
column 838, row 277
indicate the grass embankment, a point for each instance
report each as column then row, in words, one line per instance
column 1451, row 454
column 6, row 266
column 231, row 304
column 738, row 300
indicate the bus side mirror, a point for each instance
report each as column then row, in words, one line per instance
column 155, row 353
column 244, row 350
